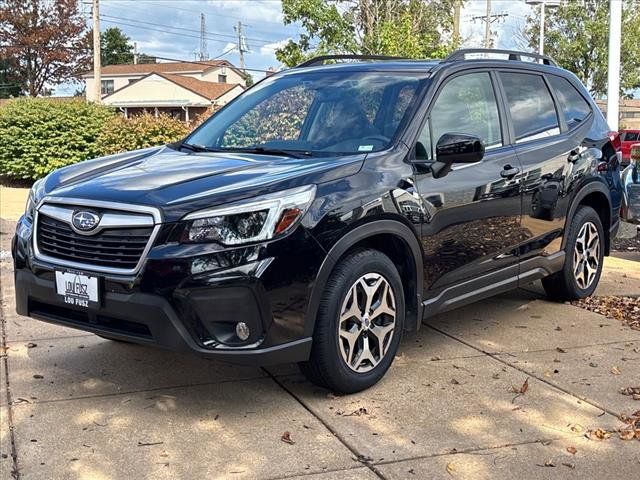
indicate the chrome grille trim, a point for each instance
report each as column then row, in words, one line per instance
column 55, row 208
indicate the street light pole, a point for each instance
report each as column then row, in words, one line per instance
column 613, row 78
column 541, row 39
column 97, row 81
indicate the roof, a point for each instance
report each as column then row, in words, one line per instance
column 164, row 67
column 210, row 90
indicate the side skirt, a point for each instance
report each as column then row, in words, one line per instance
column 493, row 283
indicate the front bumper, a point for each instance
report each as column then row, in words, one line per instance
column 190, row 302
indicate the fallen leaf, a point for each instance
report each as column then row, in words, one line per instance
column 451, row 469
column 32, row 345
column 626, row 434
column 286, row 438
column 560, row 350
column 572, row 450
column 599, row 434
column 570, row 465
column 615, row 371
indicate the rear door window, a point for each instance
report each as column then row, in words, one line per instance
column 533, row 112
column 573, row 105
column 630, row 136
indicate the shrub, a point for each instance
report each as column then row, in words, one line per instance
column 38, row 135
column 122, row 134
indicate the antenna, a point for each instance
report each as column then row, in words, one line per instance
column 204, row 55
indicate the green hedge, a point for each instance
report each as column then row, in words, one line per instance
column 39, row 135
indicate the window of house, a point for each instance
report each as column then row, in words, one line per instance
column 106, row 87
column 466, row 104
column 533, row 112
column 222, row 78
column 573, row 106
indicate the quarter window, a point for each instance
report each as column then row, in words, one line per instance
column 574, row 107
column 533, row 112
column 466, row 104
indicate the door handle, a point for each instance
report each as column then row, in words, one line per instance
column 509, row 172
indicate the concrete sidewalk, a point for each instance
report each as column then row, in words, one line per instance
column 79, row 407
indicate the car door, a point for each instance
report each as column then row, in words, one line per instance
column 551, row 151
column 471, row 222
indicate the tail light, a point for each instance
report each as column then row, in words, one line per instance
column 616, row 141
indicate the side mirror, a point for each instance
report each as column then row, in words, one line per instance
column 456, row 148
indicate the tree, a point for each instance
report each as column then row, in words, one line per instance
column 46, row 40
column 115, row 47
column 410, row 28
column 9, row 86
column 577, row 37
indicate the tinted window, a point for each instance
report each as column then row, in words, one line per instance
column 532, row 110
column 321, row 113
column 573, row 106
column 468, row 105
column 630, row 136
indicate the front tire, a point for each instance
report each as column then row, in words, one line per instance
column 583, row 261
column 359, row 324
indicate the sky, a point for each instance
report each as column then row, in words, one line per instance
column 170, row 28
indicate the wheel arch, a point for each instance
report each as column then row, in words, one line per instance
column 595, row 195
column 394, row 239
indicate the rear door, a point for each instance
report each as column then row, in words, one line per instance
column 548, row 126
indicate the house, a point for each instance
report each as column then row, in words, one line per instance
column 181, row 89
column 629, row 111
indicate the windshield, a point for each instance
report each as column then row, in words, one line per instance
column 317, row 113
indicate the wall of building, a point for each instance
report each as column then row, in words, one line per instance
column 155, row 89
column 232, row 76
column 118, row 82
column 230, row 95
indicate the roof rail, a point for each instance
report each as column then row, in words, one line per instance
column 321, row 59
column 513, row 55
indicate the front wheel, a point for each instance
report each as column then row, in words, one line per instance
column 359, row 324
column 583, row 261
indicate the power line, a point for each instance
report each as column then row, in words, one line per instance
column 209, row 34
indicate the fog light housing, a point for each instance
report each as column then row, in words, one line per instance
column 242, row 331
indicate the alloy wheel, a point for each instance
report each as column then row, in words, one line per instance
column 367, row 322
column 586, row 255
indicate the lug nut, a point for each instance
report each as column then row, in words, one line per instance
column 242, row 331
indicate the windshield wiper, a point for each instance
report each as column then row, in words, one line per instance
column 197, row 148
column 272, row 151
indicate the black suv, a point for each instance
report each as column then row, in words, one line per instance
column 329, row 209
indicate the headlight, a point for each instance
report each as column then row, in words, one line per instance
column 250, row 221
column 30, row 207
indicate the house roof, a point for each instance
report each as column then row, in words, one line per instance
column 164, row 67
column 210, row 90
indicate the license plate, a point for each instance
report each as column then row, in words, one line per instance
column 77, row 289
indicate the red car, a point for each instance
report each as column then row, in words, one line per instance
column 628, row 138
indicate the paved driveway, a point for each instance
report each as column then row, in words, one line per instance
column 79, row 407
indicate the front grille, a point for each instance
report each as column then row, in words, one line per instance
column 119, row 248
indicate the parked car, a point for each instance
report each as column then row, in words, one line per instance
column 628, row 138
column 328, row 210
column 631, row 182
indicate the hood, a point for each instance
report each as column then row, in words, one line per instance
column 179, row 182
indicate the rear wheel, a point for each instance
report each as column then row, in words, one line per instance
column 583, row 262
column 359, row 324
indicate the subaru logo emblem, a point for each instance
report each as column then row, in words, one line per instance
column 85, row 221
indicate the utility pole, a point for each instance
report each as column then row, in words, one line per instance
column 489, row 18
column 613, row 79
column 135, row 53
column 456, row 23
column 242, row 45
column 204, row 55
column 487, row 27
column 543, row 10
column 97, row 80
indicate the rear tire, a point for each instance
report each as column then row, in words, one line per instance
column 359, row 324
column 583, row 261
